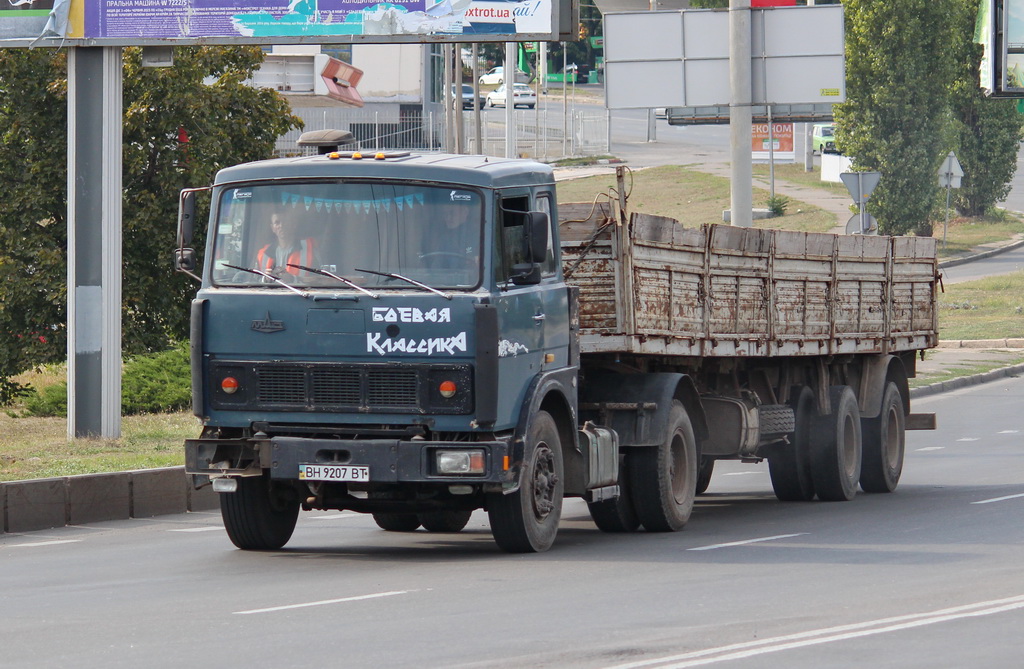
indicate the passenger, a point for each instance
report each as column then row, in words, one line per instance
column 286, row 248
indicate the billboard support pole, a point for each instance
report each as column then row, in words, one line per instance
column 94, row 241
column 510, row 107
column 741, row 198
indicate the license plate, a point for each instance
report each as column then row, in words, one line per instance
column 346, row 473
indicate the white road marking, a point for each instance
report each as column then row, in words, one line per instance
column 197, row 529
column 1008, row 432
column 740, row 473
column 335, row 516
column 998, row 499
column 324, row 602
column 46, row 543
column 747, row 541
column 747, row 649
column 930, row 448
column 970, row 439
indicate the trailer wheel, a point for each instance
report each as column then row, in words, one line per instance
column 790, row 468
column 259, row 515
column 616, row 515
column 707, row 468
column 444, row 521
column 664, row 478
column 526, row 521
column 836, row 448
column 884, row 444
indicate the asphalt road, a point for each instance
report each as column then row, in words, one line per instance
column 928, row 576
column 1003, row 263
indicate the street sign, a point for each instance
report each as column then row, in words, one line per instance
column 860, row 184
column 950, row 173
column 862, row 224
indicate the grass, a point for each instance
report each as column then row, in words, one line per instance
column 964, row 234
column 690, row 196
column 968, row 369
column 39, row 447
column 990, row 308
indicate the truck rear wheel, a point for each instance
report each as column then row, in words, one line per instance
column 836, row 448
column 397, row 522
column 884, row 444
column 259, row 515
column 526, row 521
column 444, row 521
column 790, row 467
column 663, row 479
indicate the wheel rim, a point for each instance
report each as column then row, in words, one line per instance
column 849, row 441
column 891, row 446
column 545, row 480
column 677, row 469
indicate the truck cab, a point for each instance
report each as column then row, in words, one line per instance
column 377, row 333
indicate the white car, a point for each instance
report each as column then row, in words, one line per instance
column 522, row 96
column 496, row 75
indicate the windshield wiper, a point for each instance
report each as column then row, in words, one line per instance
column 267, row 275
column 414, row 282
column 347, row 282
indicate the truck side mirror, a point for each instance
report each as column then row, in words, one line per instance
column 535, row 249
column 536, row 236
column 185, row 260
column 186, row 217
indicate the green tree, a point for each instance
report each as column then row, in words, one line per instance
column 985, row 132
column 203, row 100
column 898, row 68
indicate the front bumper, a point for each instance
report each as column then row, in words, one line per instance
column 389, row 460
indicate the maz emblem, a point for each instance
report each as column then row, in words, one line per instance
column 267, row 325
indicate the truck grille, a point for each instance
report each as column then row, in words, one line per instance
column 322, row 387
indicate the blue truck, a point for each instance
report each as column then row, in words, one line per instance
column 431, row 338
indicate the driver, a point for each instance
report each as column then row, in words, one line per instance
column 286, row 247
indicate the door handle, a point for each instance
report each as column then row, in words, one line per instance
column 539, row 318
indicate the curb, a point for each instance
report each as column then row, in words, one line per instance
column 41, row 504
column 966, row 381
column 978, row 256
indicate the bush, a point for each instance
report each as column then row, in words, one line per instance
column 154, row 383
column 777, row 204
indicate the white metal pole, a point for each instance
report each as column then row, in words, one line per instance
column 740, row 114
column 95, row 115
column 510, row 80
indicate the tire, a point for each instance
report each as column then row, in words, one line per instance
column 616, row 515
column 790, row 467
column 397, row 522
column 526, row 521
column 444, row 521
column 259, row 516
column 393, row 521
column 836, row 448
column 884, row 444
column 663, row 478
column 707, row 468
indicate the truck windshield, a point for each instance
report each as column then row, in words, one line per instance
column 428, row 233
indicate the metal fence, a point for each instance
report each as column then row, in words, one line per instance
column 543, row 134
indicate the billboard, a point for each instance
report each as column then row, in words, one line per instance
column 163, row 22
column 681, row 58
column 1000, row 30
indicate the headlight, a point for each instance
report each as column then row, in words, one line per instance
column 460, row 462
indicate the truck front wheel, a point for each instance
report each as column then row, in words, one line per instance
column 884, row 444
column 664, row 478
column 836, row 448
column 526, row 521
column 259, row 515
